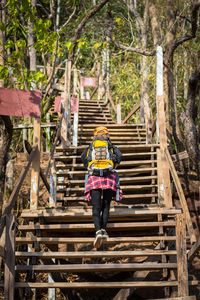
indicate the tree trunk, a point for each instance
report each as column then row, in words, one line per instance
column 188, row 119
column 169, row 91
column 5, row 140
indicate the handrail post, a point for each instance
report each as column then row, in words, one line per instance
column 182, row 268
column 75, row 127
column 66, row 122
column 161, row 131
column 35, row 171
column 53, row 184
column 119, row 118
column 9, row 277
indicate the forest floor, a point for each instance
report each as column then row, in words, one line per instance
column 193, row 201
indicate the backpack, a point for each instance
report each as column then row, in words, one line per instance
column 100, row 157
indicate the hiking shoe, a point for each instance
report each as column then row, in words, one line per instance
column 98, row 239
column 104, row 234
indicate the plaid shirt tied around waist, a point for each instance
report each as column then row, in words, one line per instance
column 97, row 182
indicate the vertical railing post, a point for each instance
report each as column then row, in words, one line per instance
column 53, row 184
column 35, row 170
column 75, row 127
column 161, row 130
column 9, row 276
column 83, row 93
column 66, row 122
column 182, row 267
column 119, row 118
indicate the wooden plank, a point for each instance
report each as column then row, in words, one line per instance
column 53, row 184
column 122, row 164
column 178, row 298
column 122, row 180
column 9, row 277
column 163, row 145
column 182, row 267
column 131, row 113
column 85, row 227
column 91, row 285
column 111, row 101
column 79, row 212
column 72, row 240
column 35, row 168
column 43, row 177
column 95, row 267
column 194, row 250
column 94, row 254
column 15, row 192
column 181, row 197
column 120, row 171
column 125, row 197
column 123, row 187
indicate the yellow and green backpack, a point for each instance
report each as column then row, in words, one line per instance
column 100, row 157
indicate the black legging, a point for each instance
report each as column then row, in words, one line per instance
column 100, row 209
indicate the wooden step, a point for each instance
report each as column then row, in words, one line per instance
column 94, row 254
column 120, row 171
column 122, row 180
column 118, row 138
column 127, row 188
column 126, row 267
column 82, row 240
column 80, row 211
column 122, row 164
column 115, row 126
column 107, row 285
column 88, row 227
column 123, row 148
column 125, row 155
column 90, row 131
column 125, row 197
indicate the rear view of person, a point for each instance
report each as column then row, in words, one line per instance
column 102, row 181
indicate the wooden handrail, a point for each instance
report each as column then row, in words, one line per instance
column 194, row 250
column 29, row 149
column 181, row 196
column 111, row 101
column 131, row 113
column 54, row 146
column 15, row 192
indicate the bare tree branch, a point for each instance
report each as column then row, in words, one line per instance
column 82, row 24
column 134, row 12
column 188, row 36
column 69, row 19
column 136, row 50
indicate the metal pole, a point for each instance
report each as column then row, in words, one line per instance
column 159, row 82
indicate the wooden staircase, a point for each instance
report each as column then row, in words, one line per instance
column 147, row 239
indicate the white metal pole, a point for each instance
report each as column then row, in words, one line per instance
column 159, row 82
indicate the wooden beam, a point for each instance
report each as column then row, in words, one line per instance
column 181, row 197
column 94, row 285
column 71, row 240
column 9, row 276
column 182, row 266
column 95, row 267
column 53, row 184
column 35, row 170
column 93, row 254
column 15, row 192
column 29, row 149
column 194, row 250
column 131, row 113
column 111, row 101
column 88, row 227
